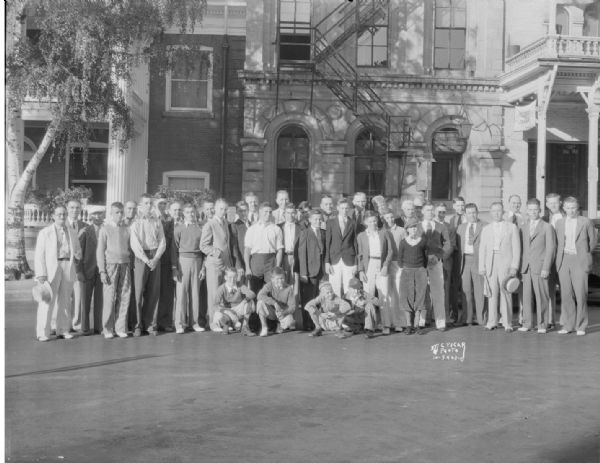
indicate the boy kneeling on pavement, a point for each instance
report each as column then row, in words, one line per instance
column 234, row 303
column 329, row 312
column 364, row 308
column 277, row 302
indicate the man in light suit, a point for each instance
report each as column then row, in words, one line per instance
column 539, row 248
column 57, row 253
column 439, row 248
column 468, row 239
column 499, row 256
column 77, row 306
column 340, row 249
column 217, row 244
column 576, row 240
column 311, row 262
column 375, row 253
column 92, row 284
column 552, row 215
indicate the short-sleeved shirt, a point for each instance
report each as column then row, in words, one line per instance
column 264, row 238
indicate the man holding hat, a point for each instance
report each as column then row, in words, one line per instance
column 57, row 254
column 92, row 285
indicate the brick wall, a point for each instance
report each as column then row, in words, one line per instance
column 192, row 141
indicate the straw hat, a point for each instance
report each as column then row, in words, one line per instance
column 42, row 292
column 511, row 284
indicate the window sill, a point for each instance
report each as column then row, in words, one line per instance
column 188, row 114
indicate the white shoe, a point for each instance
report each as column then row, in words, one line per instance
column 218, row 329
column 68, row 336
column 179, row 331
column 264, row 332
column 109, row 336
column 238, row 326
column 123, row 335
column 43, row 338
column 199, row 329
column 580, row 333
column 541, row 330
column 523, row 329
column 563, row 332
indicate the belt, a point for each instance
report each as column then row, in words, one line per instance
column 469, row 254
column 64, row 258
column 373, row 257
column 289, row 253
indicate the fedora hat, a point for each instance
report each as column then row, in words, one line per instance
column 42, row 292
column 511, row 284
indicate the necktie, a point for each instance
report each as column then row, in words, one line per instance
column 471, row 235
column 343, row 226
column 428, row 227
column 531, row 229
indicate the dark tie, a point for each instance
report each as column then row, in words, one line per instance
column 471, row 235
column 428, row 230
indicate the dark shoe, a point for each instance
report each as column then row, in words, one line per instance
column 86, row 333
column 443, row 328
column 369, row 334
column 169, row 329
column 137, row 333
column 409, row 330
column 316, row 332
column 52, row 332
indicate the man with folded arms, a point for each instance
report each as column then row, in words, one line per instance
column 113, row 262
column 188, row 271
column 276, row 301
column 57, row 253
column 576, row 241
column 148, row 244
column 539, row 248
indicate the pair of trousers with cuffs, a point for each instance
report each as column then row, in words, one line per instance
column 413, row 286
column 573, row 294
column 116, row 297
column 147, row 293
column 435, row 274
column 534, row 284
column 62, row 287
column 377, row 285
column 341, row 276
column 187, row 308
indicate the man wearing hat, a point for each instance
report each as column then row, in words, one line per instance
column 539, row 248
column 499, row 256
column 57, row 254
column 92, row 284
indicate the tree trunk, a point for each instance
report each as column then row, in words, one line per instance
column 16, row 265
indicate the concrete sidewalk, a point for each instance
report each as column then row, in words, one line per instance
column 204, row 397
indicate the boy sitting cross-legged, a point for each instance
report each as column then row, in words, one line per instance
column 329, row 312
column 364, row 308
column 234, row 302
column 276, row 301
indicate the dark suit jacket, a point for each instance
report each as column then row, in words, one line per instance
column 461, row 236
column 538, row 250
column 438, row 240
column 340, row 246
column 311, row 253
column 169, row 230
column 297, row 232
column 585, row 242
column 88, row 242
column 238, row 235
column 387, row 250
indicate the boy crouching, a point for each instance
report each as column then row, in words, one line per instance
column 329, row 312
column 364, row 308
column 234, row 302
column 276, row 301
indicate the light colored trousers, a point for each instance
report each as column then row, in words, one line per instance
column 435, row 275
column 341, row 276
column 76, row 307
column 214, row 279
column 396, row 313
column 116, row 297
column 499, row 295
column 188, row 293
column 236, row 314
column 573, row 294
column 376, row 281
column 62, row 287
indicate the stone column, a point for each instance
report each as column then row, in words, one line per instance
column 593, row 111
column 540, row 170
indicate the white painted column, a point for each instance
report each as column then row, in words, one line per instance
column 593, row 111
column 540, row 169
column 116, row 178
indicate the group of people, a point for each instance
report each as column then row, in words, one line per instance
column 165, row 266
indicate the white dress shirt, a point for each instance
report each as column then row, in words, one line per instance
column 428, row 223
column 555, row 218
column 289, row 232
column 264, row 238
column 374, row 244
column 468, row 248
column 570, row 229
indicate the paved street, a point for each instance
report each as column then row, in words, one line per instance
column 517, row 397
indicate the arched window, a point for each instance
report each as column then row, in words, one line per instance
column 447, row 148
column 591, row 20
column 562, row 21
column 293, row 148
column 369, row 164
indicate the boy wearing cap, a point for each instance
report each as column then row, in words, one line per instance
column 234, row 303
column 412, row 258
column 276, row 301
column 328, row 311
column 113, row 259
column 364, row 309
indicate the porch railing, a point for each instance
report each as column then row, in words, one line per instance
column 37, row 218
column 556, row 47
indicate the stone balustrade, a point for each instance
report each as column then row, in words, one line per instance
column 556, row 47
column 34, row 217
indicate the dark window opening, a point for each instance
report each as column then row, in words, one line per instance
column 369, row 165
column 447, row 149
column 293, row 151
column 294, row 30
column 450, row 34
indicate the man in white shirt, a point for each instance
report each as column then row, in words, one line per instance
column 263, row 249
column 281, row 199
column 577, row 239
